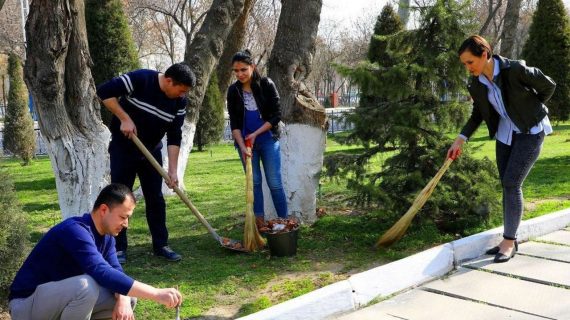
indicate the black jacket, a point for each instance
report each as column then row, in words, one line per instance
column 266, row 98
column 524, row 90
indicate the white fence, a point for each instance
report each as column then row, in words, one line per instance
column 336, row 118
column 40, row 145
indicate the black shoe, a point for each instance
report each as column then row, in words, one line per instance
column 168, row 254
column 500, row 258
column 493, row 250
column 122, row 256
column 496, row 249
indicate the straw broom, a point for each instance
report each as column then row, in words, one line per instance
column 398, row 230
column 251, row 237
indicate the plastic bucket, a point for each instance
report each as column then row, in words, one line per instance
column 283, row 244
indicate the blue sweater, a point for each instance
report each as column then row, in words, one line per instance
column 153, row 113
column 71, row 248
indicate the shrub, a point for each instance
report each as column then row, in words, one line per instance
column 14, row 235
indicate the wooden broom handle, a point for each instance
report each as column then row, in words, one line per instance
column 178, row 191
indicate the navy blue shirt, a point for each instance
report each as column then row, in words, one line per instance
column 71, row 248
column 153, row 113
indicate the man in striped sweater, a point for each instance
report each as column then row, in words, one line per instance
column 148, row 104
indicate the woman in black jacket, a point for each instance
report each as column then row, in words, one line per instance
column 255, row 113
column 509, row 97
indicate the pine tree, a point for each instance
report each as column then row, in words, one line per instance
column 387, row 23
column 19, row 135
column 110, row 43
column 419, row 98
column 548, row 48
column 211, row 122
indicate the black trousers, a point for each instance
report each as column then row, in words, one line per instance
column 125, row 166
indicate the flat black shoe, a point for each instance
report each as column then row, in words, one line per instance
column 493, row 250
column 500, row 258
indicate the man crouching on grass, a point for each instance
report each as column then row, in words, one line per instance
column 73, row 272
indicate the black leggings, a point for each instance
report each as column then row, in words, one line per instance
column 514, row 163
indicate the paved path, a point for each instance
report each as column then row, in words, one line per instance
column 535, row 284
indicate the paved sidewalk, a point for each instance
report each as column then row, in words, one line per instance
column 535, row 284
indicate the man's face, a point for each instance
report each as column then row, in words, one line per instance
column 173, row 91
column 117, row 217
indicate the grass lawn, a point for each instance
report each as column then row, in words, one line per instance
column 223, row 284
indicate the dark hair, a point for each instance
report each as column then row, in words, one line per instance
column 245, row 57
column 112, row 195
column 476, row 45
column 181, row 73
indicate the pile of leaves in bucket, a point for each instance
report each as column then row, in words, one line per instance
column 279, row 225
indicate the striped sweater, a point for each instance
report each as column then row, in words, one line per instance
column 153, row 113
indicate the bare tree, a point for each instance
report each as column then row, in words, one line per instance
column 404, row 11
column 303, row 136
column 508, row 36
column 58, row 74
column 235, row 42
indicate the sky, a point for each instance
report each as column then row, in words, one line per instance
column 342, row 11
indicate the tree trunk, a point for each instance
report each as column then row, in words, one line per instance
column 404, row 11
column 235, row 43
column 202, row 55
column 508, row 36
column 302, row 143
column 58, row 75
column 2, row 3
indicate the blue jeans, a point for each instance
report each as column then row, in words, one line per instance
column 514, row 163
column 267, row 152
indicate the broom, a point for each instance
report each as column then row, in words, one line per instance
column 398, row 230
column 251, row 237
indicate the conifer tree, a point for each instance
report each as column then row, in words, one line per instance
column 110, row 43
column 211, row 122
column 387, row 23
column 19, row 135
column 548, row 48
column 419, row 98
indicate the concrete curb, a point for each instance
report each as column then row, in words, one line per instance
column 361, row 288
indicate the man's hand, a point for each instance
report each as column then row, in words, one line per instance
column 455, row 150
column 169, row 297
column 173, row 181
column 123, row 309
column 128, row 127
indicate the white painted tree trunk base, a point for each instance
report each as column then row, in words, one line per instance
column 302, row 152
column 81, row 169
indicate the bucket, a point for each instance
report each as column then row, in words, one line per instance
column 283, row 244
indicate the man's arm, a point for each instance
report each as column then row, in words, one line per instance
column 128, row 127
column 170, row 297
column 173, row 152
